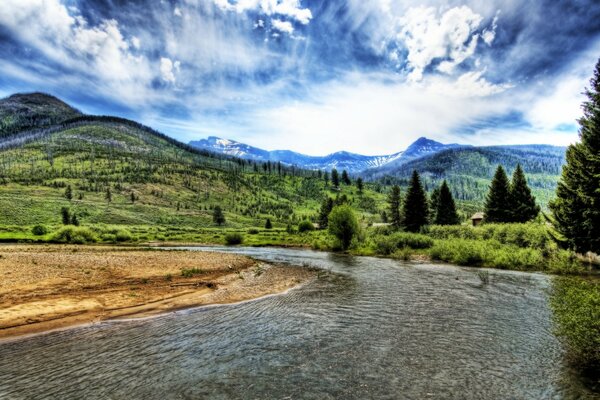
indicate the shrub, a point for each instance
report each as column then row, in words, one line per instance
column 305, row 226
column 39, row 230
column 575, row 304
column 234, row 238
column 123, row 235
column 343, row 225
column 522, row 235
column 387, row 245
column 253, row 231
column 73, row 234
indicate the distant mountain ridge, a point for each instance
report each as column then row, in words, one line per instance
column 352, row 162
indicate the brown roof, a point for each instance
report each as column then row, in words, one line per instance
column 478, row 215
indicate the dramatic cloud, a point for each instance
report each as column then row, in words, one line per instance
column 312, row 75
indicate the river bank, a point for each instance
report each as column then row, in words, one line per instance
column 48, row 287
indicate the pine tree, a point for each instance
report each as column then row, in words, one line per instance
column 576, row 209
column 326, row 207
column 66, row 215
column 268, row 224
column 416, row 207
column 498, row 200
column 108, row 195
column 132, row 197
column 218, row 216
column 360, row 185
column 346, row 178
column 445, row 213
column 394, row 201
column 335, row 178
column 74, row 220
column 523, row 206
column 69, row 193
column 433, row 202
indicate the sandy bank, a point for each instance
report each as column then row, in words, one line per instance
column 46, row 287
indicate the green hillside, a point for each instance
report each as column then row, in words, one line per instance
column 153, row 179
column 469, row 170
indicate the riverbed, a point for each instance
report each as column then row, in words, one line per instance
column 365, row 328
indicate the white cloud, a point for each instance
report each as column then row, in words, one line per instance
column 65, row 37
column 177, row 12
column 168, row 69
column 451, row 38
column 489, row 34
column 286, row 8
column 283, row 26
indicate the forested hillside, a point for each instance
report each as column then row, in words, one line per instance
column 120, row 172
column 469, row 170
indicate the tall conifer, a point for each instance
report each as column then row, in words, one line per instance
column 394, row 201
column 524, row 207
column 446, row 208
column 416, row 207
column 498, row 200
column 576, row 209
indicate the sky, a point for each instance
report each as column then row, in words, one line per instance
column 366, row 76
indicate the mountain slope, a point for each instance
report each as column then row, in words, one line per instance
column 124, row 173
column 353, row 163
column 20, row 112
column 469, row 170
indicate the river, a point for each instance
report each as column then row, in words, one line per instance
column 365, row 328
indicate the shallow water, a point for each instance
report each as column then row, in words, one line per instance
column 366, row 328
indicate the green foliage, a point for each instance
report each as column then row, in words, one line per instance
column 445, row 208
column 389, row 244
column 524, row 207
column 487, row 253
column 360, row 185
column 268, row 224
column 218, row 216
column 575, row 304
column 123, row 235
column 326, row 207
column 576, row 209
column 234, row 238
column 39, row 230
column 522, row 235
column 69, row 193
column 335, row 178
column 66, row 215
column 394, row 200
column 253, row 231
column 305, row 226
column 191, row 272
column 343, row 225
column 416, row 207
column 75, row 235
column 498, row 204
column 346, row 178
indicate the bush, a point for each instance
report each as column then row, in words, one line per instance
column 253, row 231
column 234, row 238
column 73, row 234
column 343, row 225
column 305, row 226
column 575, row 304
column 123, row 235
column 522, row 235
column 387, row 245
column 39, row 230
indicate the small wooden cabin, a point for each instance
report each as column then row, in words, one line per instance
column 477, row 218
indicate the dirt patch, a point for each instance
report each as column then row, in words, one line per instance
column 46, row 287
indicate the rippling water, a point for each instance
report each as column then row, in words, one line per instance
column 367, row 328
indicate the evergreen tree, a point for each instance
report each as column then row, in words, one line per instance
column 433, row 202
column 218, row 216
column 498, row 200
column 335, row 178
column 523, row 206
column 394, row 206
column 69, row 193
column 576, row 209
column 416, row 207
column 66, row 215
column 268, row 224
column 108, row 195
column 346, row 178
column 132, row 197
column 360, row 185
column 326, row 207
column 74, row 220
column 384, row 217
column 445, row 213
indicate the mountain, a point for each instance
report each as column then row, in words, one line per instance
column 469, row 170
column 353, row 163
column 32, row 110
column 151, row 179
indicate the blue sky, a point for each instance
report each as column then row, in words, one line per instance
column 313, row 76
